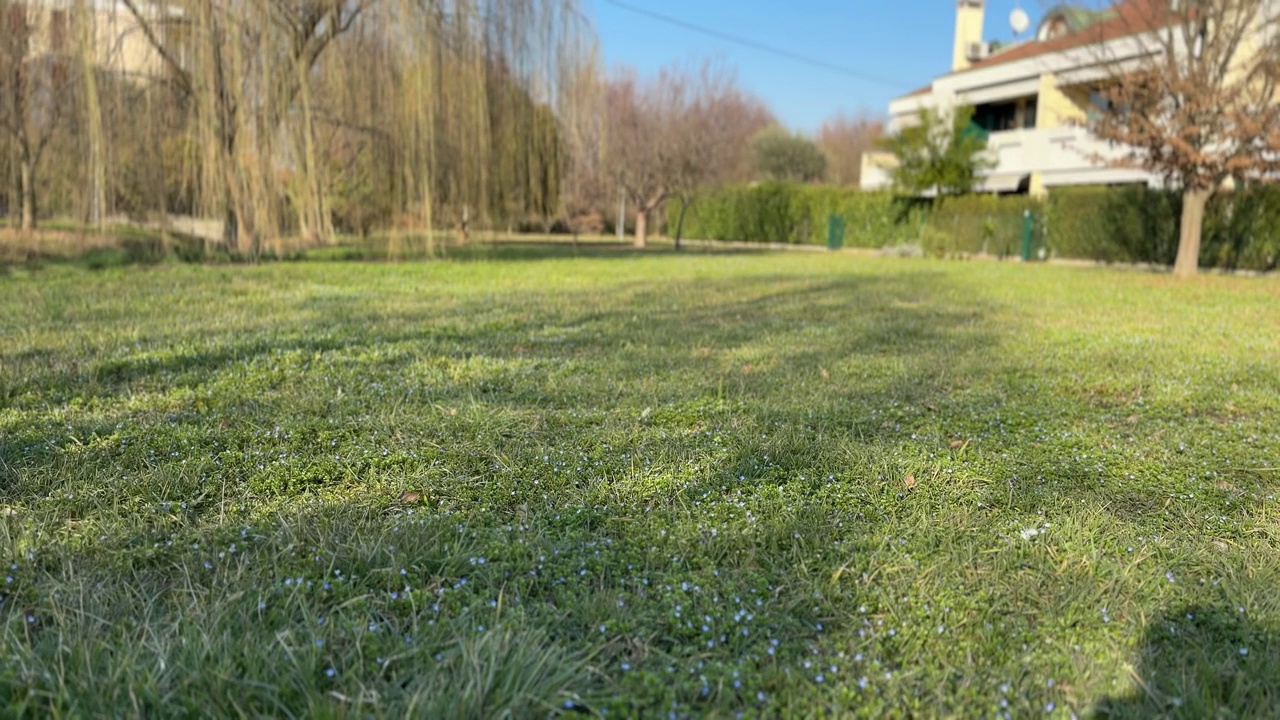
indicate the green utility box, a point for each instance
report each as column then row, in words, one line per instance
column 835, row 232
column 1033, row 240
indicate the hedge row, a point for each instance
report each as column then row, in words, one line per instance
column 1136, row 224
column 790, row 213
column 1110, row 224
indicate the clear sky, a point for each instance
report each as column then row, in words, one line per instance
column 906, row 42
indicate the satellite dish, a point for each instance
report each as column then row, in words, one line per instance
column 1019, row 21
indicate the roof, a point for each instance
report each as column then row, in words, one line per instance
column 1128, row 17
column 1122, row 19
column 1078, row 18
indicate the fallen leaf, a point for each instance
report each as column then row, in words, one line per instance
column 408, row 496
column 957, row 444
column 909, row 481
column 825, row 375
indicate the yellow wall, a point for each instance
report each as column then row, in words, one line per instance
column 1055, row 106
column 968, row 30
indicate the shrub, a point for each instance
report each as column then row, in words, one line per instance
column 793, row 213
column 144, row 249
column 979, row 225
column 1242, row 229
column 1125, row 223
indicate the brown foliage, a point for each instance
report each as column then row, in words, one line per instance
column 678, row 132
column 844, row 140
column 1196, row 103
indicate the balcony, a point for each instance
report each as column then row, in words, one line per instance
column 1063, row 156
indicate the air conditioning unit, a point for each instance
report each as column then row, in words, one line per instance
column 978, row 51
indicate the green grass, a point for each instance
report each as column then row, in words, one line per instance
column 522, row 484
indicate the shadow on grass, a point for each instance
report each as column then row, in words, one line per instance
column 668, row 332
column 658, row 361
column 519, row 251
column 1202, row 662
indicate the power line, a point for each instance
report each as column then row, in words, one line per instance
column 754, row 45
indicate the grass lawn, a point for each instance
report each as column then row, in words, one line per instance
column 522, row 483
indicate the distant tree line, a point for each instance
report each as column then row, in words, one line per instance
column 313, row 118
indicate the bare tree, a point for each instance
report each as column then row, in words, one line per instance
column 844, row 140
column 677, row 133
column 35, row 84
column 1191, row 91
column 245, row 64
column 303, row 117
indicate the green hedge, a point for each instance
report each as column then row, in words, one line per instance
column 1242, row 230
column 791, row 213
column 1128, row 223
column 1137, row 224
column 980, row 225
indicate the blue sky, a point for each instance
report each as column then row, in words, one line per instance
column 905, row 41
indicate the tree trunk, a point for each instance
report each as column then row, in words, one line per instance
column 1193, row 204
column 27, row 185
column 642, row 219
column 684, row 207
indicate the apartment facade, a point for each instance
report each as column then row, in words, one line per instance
column 1033, row 98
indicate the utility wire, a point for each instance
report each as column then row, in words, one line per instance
column 754, row 45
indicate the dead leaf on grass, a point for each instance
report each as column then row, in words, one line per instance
column 909, row 481
column 410, row 497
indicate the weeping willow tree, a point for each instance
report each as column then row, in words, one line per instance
column 303, row 117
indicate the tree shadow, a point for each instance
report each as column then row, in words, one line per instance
column 533, row 251
column 1202, row 662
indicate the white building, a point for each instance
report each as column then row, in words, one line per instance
column 1033, row 97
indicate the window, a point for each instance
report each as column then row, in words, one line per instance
column 996, row 117
column 1099, row 105
column 1010, row 115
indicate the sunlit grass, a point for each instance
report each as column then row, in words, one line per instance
column 527, row 482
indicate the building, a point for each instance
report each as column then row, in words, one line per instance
column 118, row 41
column 1033, row 97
